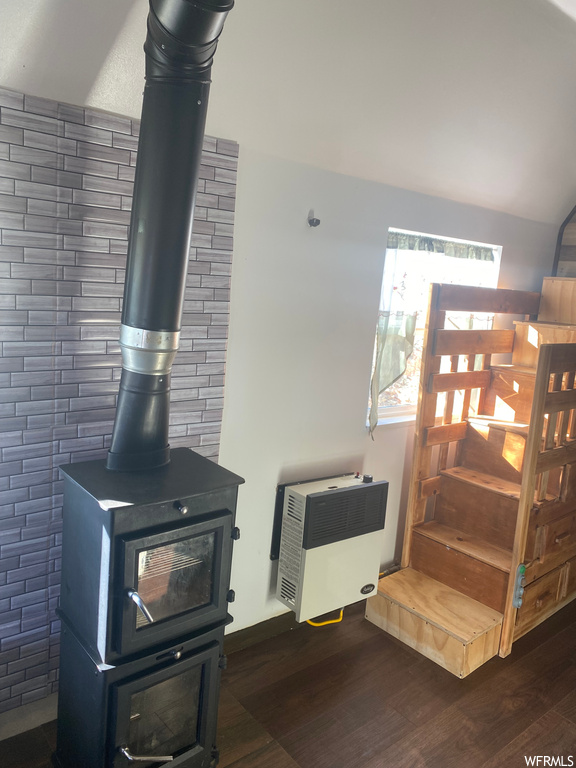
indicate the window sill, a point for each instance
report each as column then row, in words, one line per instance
column 397, row 418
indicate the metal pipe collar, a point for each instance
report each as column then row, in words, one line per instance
column 148, row 352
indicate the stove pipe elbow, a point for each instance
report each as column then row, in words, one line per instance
column 180, row 45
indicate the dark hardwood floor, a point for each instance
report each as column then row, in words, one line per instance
column 350, row 696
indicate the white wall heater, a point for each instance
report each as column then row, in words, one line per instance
column 331, row 543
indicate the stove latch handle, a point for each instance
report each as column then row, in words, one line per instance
column 135, row 597
column 181, row 507
column 143, row 758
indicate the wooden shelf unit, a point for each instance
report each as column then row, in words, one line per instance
column 493, row 484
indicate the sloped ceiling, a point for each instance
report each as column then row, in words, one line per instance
column 472, row 101
column 568, row 6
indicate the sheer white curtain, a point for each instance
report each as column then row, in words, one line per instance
column 394, row 345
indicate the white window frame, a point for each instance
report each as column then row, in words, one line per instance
column 407, row 413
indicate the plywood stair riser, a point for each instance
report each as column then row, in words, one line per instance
column 498, row 453
column 510, row 393
column 531, row 335
column 478, row 580
column 451, row 538
column 447, row 627
column 482, row 480
column 558, row 301
column 486, row 507
column 476, row 510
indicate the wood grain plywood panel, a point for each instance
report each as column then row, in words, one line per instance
column 558, row 301
column 439, row 604
column 458, row 655
column 477, row 510
column 496, row 453
column 445, row 433
column 450, row 382
column 484, row 480
column 530, row 336
column 472, row 577
column 467, row 544
column 481, row 342
column 510, row 392
column 541, row 599
column 493, row 300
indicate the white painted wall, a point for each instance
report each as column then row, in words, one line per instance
column 304, row 305
column 470, row 102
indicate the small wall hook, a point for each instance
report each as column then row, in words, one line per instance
column 312, row 222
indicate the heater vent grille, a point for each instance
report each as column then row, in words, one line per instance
column 295, row 508
column 344, row 513
column 288, row 590
column 292, row 532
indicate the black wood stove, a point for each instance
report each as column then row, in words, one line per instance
column 145, row 590
column 148, row 533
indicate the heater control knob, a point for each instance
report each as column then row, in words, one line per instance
column 182, row 508
column 235, row 533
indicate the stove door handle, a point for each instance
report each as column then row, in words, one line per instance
column 135, row 597
column 143, row 758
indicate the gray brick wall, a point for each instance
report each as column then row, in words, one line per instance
column 66, row 176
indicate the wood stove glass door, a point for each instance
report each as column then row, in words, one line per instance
column 169, row 714
column 175, row 581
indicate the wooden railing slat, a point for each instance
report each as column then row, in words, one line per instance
column 450, row 382
column 445, row 433
column 560, row 401
column 563, row 357
column 483, row 342
column 459, row 298
column 556, row 457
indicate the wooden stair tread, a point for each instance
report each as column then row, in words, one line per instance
column 521, row 370
column 469, row 545
column 483, row 480
column 490, row 422
column 454, row 613
column 547, row 325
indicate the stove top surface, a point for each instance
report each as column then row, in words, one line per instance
column 188, row 474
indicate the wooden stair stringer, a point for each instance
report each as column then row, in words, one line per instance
column 453, row 630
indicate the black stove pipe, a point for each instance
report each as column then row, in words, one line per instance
column 181, row 41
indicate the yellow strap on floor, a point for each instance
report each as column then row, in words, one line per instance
column 324, row 623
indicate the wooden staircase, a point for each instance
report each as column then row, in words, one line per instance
column 443, row 624
column 492, row 502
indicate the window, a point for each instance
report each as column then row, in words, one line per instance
column 413, row 261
